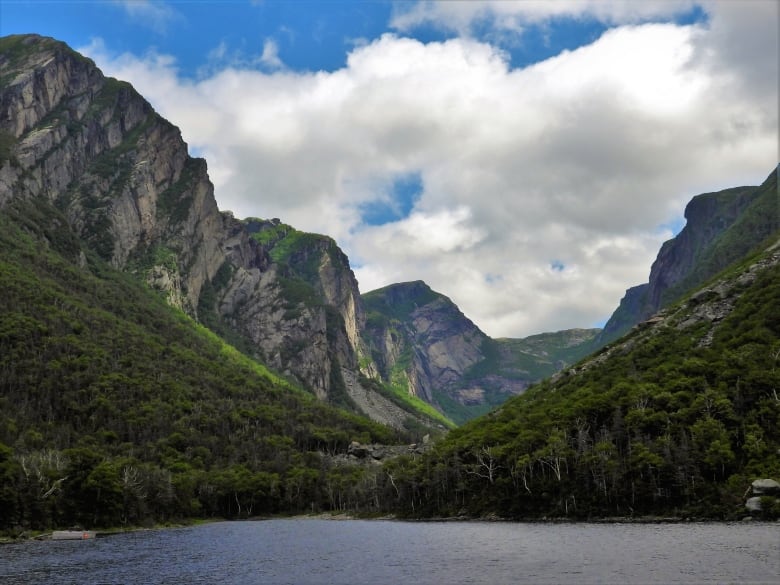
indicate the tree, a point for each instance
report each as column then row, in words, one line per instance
column 9, row 470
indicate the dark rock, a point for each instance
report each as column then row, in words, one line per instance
column 698, row 252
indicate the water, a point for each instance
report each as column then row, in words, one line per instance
column 303, row 551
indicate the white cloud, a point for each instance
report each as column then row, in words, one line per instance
column 501, row 15
column 154, row 15
column 223, row 57
column 576, row 160
column 270, row 57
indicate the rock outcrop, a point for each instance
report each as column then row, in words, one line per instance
column 762, row 491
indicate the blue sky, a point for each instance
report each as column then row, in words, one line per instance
column 309, row 34
column 527, row 159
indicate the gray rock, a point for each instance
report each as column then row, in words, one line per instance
column 357, row 450
column 765, row 487
column 753, row 504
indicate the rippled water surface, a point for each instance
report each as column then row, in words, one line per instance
column 327, row 551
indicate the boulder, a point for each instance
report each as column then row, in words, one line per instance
column 765, row 487
column 357, row 450
column 753, row 504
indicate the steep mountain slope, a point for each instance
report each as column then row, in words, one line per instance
column 677, row 418
column 117, row 408
column 422, row 344
column 721, row 228
column 123, row 181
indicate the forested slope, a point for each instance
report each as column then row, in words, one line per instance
column 117, row 409
column 678, row 418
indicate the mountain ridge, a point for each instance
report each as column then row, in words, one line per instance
column 721, row 227
column 119, row 405
column 678, row 418
column 124, row 181
column 422, row 343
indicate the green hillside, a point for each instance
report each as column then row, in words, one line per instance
column 678, row 418
column 117, row 409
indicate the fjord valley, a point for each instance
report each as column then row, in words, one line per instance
column 162, row 359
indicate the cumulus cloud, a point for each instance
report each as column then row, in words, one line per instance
column 542, row 190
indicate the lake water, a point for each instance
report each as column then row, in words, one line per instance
column 304, row 551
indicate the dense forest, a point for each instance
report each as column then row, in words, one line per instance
column 676, row 419
column 116, row 409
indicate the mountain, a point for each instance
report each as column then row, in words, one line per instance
column 160, row 358
column 424, row 345
column 125, row 184
column 720, row 228
column 116, row 408
column 678, row 418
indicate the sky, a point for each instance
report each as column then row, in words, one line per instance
column 527, row 159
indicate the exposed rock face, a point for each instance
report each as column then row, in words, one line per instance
column 126, row 184
column 420, row 339
column 119, row 172
column 422, row 343
column 721, row 228
column 295, row 296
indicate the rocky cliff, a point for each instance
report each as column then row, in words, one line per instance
column 123, row 179
column 423, row 344
column 126, row 185
column 678, row 418
column 720, row 228
column 120, row 174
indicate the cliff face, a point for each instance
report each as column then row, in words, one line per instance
column 423, row 344
column 119, row 173
column 707, row 217
column 122, row 177
column 421, row 339
column 124, row 183
column 720, row 228
column 294, row 295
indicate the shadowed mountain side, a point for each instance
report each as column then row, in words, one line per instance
column 721, row 228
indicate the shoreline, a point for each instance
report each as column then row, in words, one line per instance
column 346, row 516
